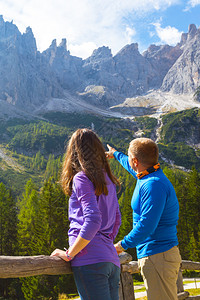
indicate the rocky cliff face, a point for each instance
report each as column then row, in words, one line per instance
column 134, row 69
column 127, row 74
column 161, row 59
column 184, row 76
column 66, row 68
column 30, row 78
column 25, row 79
column 123, row 75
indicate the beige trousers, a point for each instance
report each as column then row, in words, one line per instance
column 160, row 273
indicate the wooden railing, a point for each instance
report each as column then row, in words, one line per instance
column 25, row 266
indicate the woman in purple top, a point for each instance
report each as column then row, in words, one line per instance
column 94, row 217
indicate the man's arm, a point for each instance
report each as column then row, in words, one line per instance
column 121, row 158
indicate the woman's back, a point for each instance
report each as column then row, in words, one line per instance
column 95, row 218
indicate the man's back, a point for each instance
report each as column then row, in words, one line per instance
column 155, row 213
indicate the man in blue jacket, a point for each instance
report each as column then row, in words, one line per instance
column 155, row 217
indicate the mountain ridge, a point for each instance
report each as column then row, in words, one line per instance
column 31, row 80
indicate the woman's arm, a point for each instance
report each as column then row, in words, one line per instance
column 85, row 193
column 79, row 244
column 117, row 223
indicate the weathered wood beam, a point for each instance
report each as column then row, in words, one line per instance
column 183, row 295
column 131, row 267
column 193, row 298
column 24, row 266
column 124, row 257
column 190, row 265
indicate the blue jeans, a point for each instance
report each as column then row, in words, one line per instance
column 97, row 281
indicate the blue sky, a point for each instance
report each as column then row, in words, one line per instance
column 89, row 24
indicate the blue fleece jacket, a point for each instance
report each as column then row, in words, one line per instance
column 155, row 213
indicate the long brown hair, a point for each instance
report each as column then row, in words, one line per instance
column 85, row 152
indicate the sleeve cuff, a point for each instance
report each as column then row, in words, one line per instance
column 115, row 154
column 123, row 244
column 85, row 236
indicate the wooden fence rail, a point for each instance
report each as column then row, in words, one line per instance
column 25, row 266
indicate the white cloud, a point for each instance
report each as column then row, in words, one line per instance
column 83, row 50
column 82, row 22
column 168, row 35
column 130, row 33
column 193, row 3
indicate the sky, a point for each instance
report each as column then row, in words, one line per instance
column 89, row 24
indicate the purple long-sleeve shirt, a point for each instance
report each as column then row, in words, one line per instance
column 95, row 218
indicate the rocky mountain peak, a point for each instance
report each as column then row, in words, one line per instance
column 102, row 52
column 29, row 31
column 29, row 41
column 62, row 49
column 159, row 52
column 99, row 56
column 192, row 30
column 53, row 44
column 8, row 29
column 129, row 50
column 63, row 44
column 184, row 76
column 183, row 38
column 1, row 20
column 151, row 50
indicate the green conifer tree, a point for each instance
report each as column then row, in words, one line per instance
column 54, row 209
column 8, row 236
column 8, row 222
column 193, row 207
column 30, row 221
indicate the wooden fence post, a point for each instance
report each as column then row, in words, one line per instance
column 179, row 282
column 126, row 288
